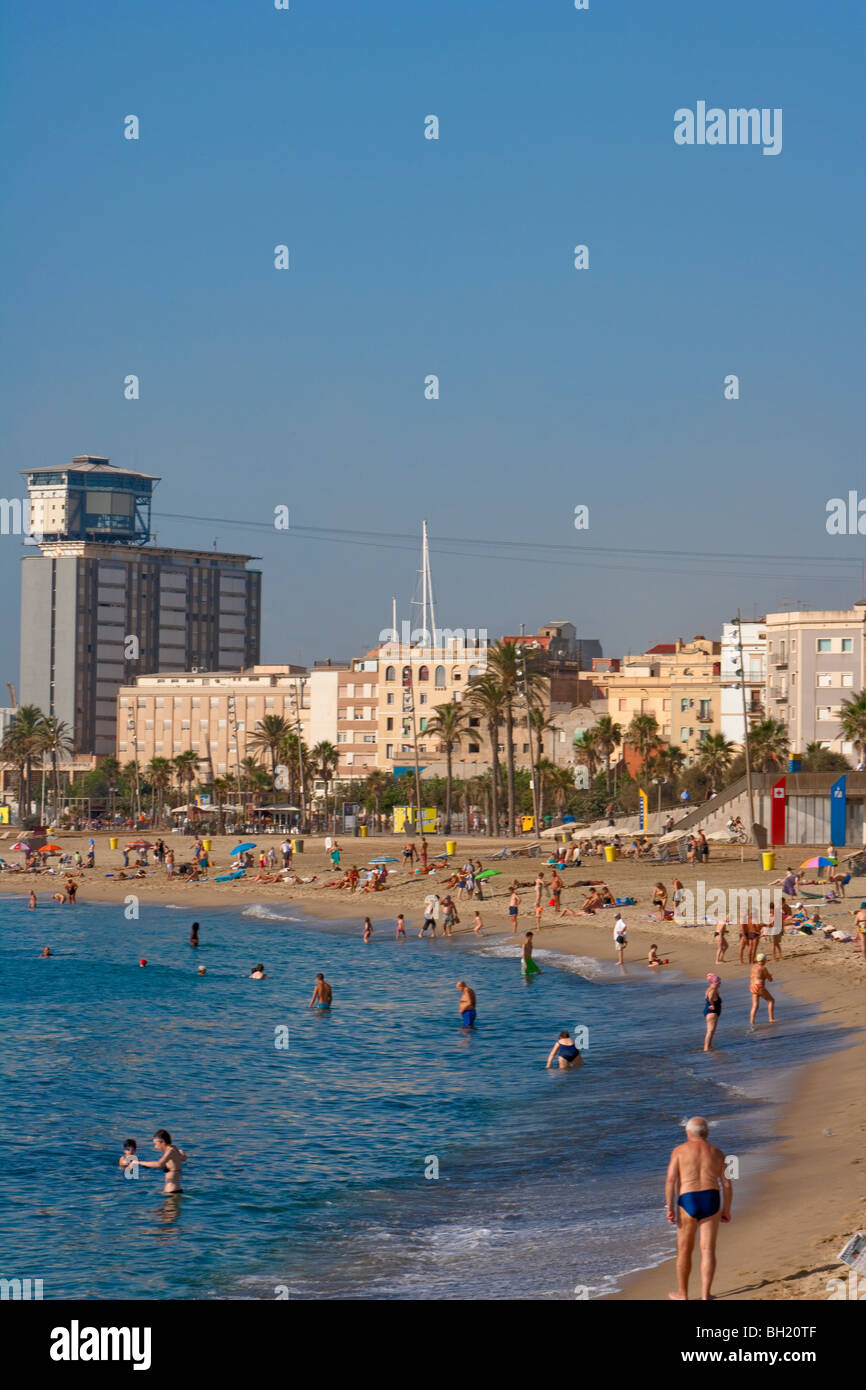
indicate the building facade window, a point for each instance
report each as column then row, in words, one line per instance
column 440, row 677
column 390, row 673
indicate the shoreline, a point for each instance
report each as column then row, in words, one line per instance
column 790, row 1221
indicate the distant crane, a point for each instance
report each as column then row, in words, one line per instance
column 12, row 694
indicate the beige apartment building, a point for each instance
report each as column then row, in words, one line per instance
column 212, row 713
column 435, row 676
column 677, row 682
column 815, row 661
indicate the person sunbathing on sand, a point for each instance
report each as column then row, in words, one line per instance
column 592, row 903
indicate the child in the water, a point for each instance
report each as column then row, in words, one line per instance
column 129, row 1155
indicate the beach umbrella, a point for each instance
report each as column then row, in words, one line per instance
column 385, row 859
column 242, row 849
column 51, row 849
column 139, row 844
column 487, row 873
column 20, row 845
column 819, row 862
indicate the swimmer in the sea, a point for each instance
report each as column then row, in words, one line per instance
column 258, row 972
column 565, row 1052
column 401, row 927
column 129, row 1155
column 322, row 994
column 171, row 1158
column 32, row 903
column 467, row 1004
column 368, row 929
column 712, row 1009
column 528, row 966
column 193, row 935
column 202, row 970
column 46, row 951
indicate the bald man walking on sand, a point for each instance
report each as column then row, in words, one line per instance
column 698, row 1196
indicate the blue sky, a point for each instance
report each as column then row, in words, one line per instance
column 453, row 257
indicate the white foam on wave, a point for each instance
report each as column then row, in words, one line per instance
column 587, row 966
column 267, row 914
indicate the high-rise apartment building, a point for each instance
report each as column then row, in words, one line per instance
column 100, row 605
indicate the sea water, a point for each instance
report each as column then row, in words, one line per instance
column 376, row 1151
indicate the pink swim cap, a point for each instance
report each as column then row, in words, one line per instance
column 715, row 979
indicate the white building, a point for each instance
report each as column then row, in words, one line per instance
column 752, row 675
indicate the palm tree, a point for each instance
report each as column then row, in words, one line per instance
column 255, row 779
column 57, row 743
column 667, row 761
column 541, row 724
column 325, row 759
column 373, row 789
column 485, row 699
column 159, row 774
column 562, row 785
column 448, row 724
column 222, row 787
column 269, row 736
column 643, row 733
column 186, row 770
column 715, row 756
column 504, row 663
column 817, row 758
column 607, row 737
column 23, row 741
column 586, row 751
column 853, row 720
column 768, row 745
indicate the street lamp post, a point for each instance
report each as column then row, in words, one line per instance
column 521, row 676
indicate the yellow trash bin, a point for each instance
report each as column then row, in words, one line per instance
column 450, row 846
column 363, row 832
column 206, row 845
column 768, row 859
column 610, row 853
column 112, row 844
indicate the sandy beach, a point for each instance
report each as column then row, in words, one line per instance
column 788, row 1227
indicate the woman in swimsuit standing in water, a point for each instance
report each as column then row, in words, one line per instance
column 565, row 1053
column 712, row 1010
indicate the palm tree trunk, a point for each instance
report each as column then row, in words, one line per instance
column 448, row 790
